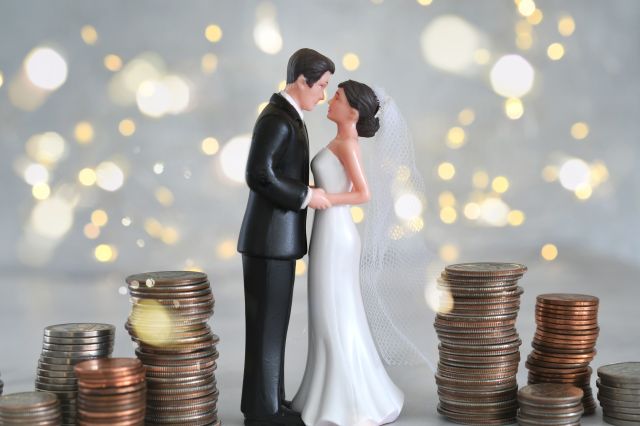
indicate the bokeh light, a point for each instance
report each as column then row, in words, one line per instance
column 466, row 116
column 357, row 214
column 83, row 132
column 350, row 61
column 169, row 235
column 87, row 176
column 448, row 215
column 512, row 76
column 515, row 217
column 482, row 56
column 209, row 63
column 513, row 108
column 40, row 191
column 301, row 267
column 500, row 184
column 52, row 218
column 438, row 299
column 112, row 62
column 213, row 33
column 164, row 196
column 226, row 249
column 446, row 171
column 536, row 17
column 89, row 34
column 494, row 212
column 526, row 7
column 210, row 146
column 109, row 176
column 105, row 253
column 266, row 33
column 127, row 127
column 584, row 191
column 99, row 218
column 456, row 137
column 46, row 148
column 152, row 323
column 480, row 179
column 449, row 253
column 580, row 130
column 91, row 231
column 555, row 51
column 36, row 174
column 449, row 43
column 408, row 206
column 46, row 68
column 472, row 211
column 566, row 26
column 549, row 252
column 574, row 173
column 233, row 158
column 446, row 199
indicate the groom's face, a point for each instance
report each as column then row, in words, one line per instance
column 310, row 96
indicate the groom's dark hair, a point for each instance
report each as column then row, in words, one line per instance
column 311, row 64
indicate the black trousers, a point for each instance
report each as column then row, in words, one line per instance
column 268, row 290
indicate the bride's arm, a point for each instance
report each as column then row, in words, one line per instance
column 359, row 194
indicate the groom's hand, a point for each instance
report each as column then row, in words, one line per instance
column 319, row 200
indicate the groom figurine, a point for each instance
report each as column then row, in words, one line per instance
column 273, row 233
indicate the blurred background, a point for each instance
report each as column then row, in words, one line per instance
column 125, row 128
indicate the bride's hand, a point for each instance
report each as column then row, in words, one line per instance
column 319, row 200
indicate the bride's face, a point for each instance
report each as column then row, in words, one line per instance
column 339, row 108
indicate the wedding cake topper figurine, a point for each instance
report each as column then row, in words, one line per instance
column 273, row 233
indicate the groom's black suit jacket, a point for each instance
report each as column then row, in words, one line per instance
column 277, row 173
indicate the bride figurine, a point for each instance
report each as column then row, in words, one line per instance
column 345, row 382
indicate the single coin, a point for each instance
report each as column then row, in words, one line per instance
column 174, row 278
column 486, row 268
column 108, row 367
column 79, row 330
column 551, row 393
column 79, row 340
column 620, row 373
column 564, row 299
column 26, row 400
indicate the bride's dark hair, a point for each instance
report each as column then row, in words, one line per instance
column 362, row 97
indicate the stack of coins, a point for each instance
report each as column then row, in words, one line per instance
column 564, row 342
column 619, row 393
column 169, row 322
column 479, row 344
column 65, row 345
column 30, row 408
column 550, row 404
column 111, row 391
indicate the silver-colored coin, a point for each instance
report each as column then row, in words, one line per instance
column 55, row 374
column 75, row 354
column 17, row 402
column 79, row 340
column 54, row 388
column 620, row 373
column 79, row 330
column 63, row 381
column 77, row 348
column 619, row 422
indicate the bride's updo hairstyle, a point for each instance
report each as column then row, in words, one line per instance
column 362, row 98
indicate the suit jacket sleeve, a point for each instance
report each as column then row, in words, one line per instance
column 270, row 138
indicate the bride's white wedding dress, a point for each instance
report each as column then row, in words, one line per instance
column 345, row 382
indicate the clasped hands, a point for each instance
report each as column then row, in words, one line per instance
column 319, row 200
